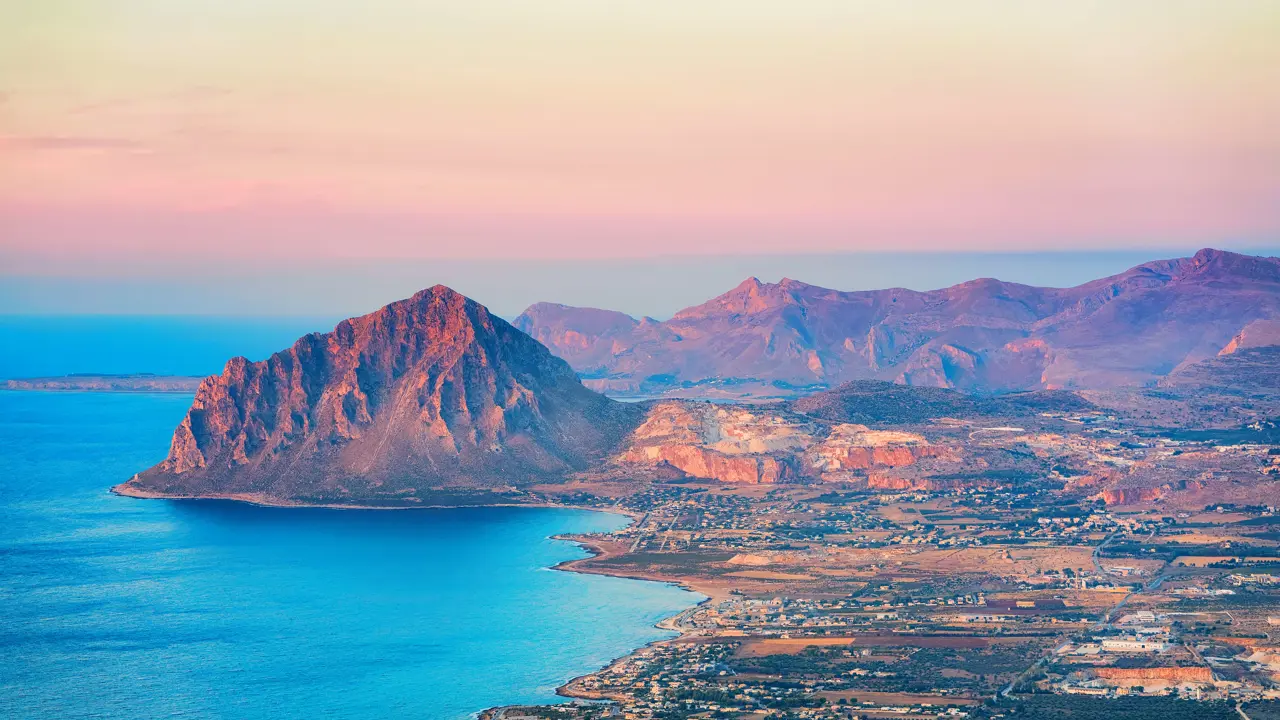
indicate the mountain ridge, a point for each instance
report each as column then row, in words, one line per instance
column 983, row 335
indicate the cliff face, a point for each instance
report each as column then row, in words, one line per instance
column 769, row 444
column 428, row 392
column 982, row 336
column 717, row 442
column 1130, row 496
column 701, row 462
column 855, row 447
column 1179, row 674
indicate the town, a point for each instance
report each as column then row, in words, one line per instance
column 1021, row 598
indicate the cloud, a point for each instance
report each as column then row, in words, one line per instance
column 70, row 142
column 179, row 97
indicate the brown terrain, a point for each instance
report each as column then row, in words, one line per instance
column 985, row 336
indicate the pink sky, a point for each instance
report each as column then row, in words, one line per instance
column 572, row 128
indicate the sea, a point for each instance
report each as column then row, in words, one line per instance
column 114, row 607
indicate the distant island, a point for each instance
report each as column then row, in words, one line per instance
column 104, row 382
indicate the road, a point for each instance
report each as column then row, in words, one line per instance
column 1104, row 621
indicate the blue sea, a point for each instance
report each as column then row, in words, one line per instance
column 114, row 607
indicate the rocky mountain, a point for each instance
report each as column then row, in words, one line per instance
column 427, row 393
column 985, row 336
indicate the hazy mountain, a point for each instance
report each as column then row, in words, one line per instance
column 984, row 335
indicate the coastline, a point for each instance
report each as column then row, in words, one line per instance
column 597, row 551
column 571, row 688
column 594, row 548
column 124, row 489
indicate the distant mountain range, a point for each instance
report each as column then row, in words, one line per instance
column 983, row 336
column 434, row 396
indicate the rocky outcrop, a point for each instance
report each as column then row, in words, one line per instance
column 702, row 462
column 428, row 392
column 891, row 483
column 982, row 336
column 1130, row 496
column 857, row 447
column 739, row 444
column 1177, row 674
column 732, row 444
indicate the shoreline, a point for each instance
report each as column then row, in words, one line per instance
column 597, row 551
column 267, row 501
column 594, row 550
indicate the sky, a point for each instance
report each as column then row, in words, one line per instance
column 147, row 144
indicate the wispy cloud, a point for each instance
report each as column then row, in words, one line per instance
column 187, row 96
column 70, row 142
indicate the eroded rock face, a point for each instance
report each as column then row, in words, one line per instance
column 1130, row 496
column 727, row 443
column 745, row 444
column 856, row 447
column 701, row 462
column 430, row 391
column 1178, row 674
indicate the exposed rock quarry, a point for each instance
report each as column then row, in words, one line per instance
column 856, row 447
column 727, row 443
column 744, row 444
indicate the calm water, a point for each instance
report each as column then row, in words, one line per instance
column 119, row 608
column 32, row 346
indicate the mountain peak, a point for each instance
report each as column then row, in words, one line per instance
column 437, row 290
column 1215, row 264
column 749, row 296
column 426, row 391
column 1207, row 255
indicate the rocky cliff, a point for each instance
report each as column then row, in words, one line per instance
column 772, row 444
column 726, row 443
column 1179, row 674
column 426, row 393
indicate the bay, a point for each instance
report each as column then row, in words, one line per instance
column 114, row 607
